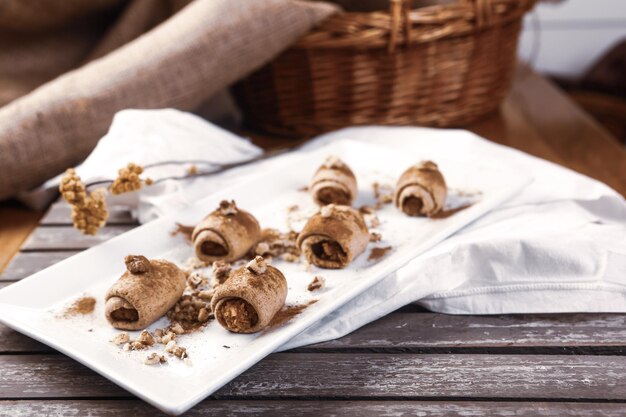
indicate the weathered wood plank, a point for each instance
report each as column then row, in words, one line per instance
column 27, row 263
column 440, row 333
column 356, row 376
column 60, row 213
column 65, row 238
column 114, row 408
column 432, row 332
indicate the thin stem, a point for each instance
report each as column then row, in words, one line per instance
column 221, row 167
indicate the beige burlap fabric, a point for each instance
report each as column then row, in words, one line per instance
column 186, row 55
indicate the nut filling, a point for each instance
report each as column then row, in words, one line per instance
column 213, row 249
column 328, row 250
column 412, row 206
column 125, row 314
column 237, row 314
column 330, row 195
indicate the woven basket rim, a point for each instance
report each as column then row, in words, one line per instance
column 404, row 26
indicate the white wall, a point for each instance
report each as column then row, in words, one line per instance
column 565, row 38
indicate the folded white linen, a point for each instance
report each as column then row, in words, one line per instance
column 559, row 246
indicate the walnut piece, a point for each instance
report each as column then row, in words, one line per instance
column 146, row 338
column 228, row 208
column 137, row 264
column 221, row 272
column 257, row 265
column 154, row 358
column 121, row 338
column 318, row 283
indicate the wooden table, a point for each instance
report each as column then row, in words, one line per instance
column 409, row 361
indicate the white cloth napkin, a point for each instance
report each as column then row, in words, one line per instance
column 559, row 246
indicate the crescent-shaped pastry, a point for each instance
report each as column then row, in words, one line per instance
column 333, row 183
column 421, row 190
column 226, row 234
column 144, row 293
column 334, row 237
column 249, row 299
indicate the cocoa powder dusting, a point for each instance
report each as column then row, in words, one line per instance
column 84, row 305
column 287, row 313
column 444, row 214
column 378, row 253
column 184, row 230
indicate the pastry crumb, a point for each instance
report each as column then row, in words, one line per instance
column 378, row 253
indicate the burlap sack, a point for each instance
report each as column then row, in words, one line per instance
column 180, row 63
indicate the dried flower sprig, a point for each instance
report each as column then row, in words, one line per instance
column 128, row 180
column 89, row 211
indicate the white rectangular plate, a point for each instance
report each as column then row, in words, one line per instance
column 33, row 305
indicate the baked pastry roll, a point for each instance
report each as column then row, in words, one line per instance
column 144, row 293
column 249, row 299
column 333, row 183
column 334, row 237
column 421, row 190
column 226, row 234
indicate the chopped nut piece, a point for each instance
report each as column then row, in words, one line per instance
column 374, row 222
column 120, row 338
column 177, row 328
column 333, row 161
column 228, row 207
column 375, row 237
column 168, row 337
column 195, row 279
column 206, row 295
column 159, row 333
column 195, row 263
column 221, row 271
column 126, row 347
column 263, row 248
column 327, row 210
column 317, row 283
column 146, row 338
column 169, row 348
column 289, row 257
column 137, row 264
column 275, row 243
column 203, row 315
column 180, row 352
column 136, row 345
column 257, row 265
column 154, row 358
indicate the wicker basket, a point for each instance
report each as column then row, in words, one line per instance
column 441, row 65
